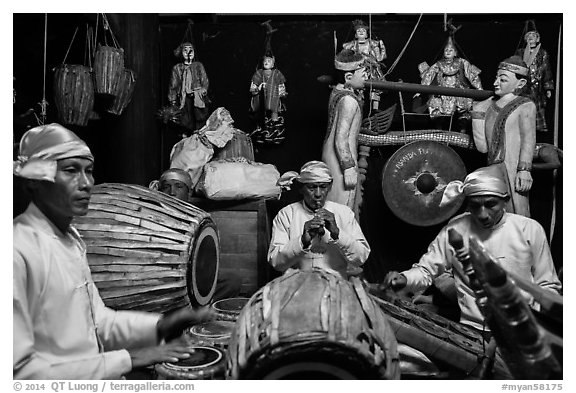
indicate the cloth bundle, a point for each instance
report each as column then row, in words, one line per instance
column 238, row 178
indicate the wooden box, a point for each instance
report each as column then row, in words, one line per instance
column 244, row 231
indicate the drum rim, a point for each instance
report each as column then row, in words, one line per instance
column 173, row 367
column 195, row 296
column 204, row 335
column 223, row 301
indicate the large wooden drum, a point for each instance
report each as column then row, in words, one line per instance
column 108, row 68
column 73, row 94
column 148, row 250
column 312, row 325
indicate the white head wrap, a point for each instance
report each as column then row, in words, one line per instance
column 483, row 181
column 311, row 172
column 41, row 147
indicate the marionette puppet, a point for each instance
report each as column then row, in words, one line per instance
column 268, row 90
column 451, row 71
column 188, row 90
column 373, row 51
column 540, row 72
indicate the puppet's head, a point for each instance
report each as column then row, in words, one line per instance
column 186, row 51
column 531, row 35
column 450, row 51
column 360, row 30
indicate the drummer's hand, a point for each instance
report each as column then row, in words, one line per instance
column 394, row 280
column 171, row 353
column 172, row 324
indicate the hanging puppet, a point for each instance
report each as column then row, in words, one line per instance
column 268, row 90
column 451, row 71
column 541, row 77
column 373, row 51
column 188, row 89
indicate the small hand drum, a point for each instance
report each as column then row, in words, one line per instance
column 212, row 333
column 229, row 309
column 204, row 363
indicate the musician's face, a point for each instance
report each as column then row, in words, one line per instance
column 69, row 195
column 314, row 194
column 174, row 188
column 487, row 210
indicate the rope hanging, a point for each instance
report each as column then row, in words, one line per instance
column 44, row 103
column 70, row 46
column 106, row 27
column 404, row 49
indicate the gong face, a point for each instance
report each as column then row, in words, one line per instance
column 414, row 179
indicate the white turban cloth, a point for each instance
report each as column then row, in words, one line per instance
column 311, row 172
column 41, row 147
column 482, row 182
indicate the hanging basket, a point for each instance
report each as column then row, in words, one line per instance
column 124, row 90
column 108, row 69
column 73, row 94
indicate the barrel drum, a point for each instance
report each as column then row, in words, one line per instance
column 312, row 325
column 73, row 93
column 147, row 250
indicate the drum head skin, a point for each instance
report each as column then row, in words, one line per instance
column 414, row 179
column 204, row 363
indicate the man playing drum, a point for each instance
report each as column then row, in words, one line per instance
column 62, row 329
column 517, row 242
column 315, row 232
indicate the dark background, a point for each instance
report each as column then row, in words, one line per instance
column 135, row 147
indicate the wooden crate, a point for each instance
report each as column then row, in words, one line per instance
column 244, row 231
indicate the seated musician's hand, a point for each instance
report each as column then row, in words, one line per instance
column 312, row 228
column 329, row 222
column 172, row 324
column 394, row 280
column 148, row 356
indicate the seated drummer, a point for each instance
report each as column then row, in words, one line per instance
column 315, row 232
column 518, row 243
column 62, row 329
column 178, row 183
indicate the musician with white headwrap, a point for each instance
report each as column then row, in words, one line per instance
column 315, row 232
column 62, row 329
column 517, row 243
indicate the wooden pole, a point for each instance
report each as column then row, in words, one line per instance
column 134, row 148
column 556, row 118
column 418, row 88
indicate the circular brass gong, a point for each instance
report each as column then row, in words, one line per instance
column 414, row 179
